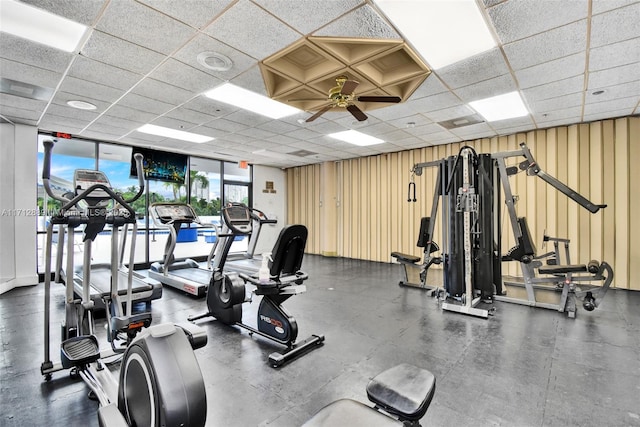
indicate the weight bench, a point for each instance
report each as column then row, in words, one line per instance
column 559, row 277
column 403, row 392
column 414, row 273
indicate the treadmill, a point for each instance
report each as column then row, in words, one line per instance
column 144, row 289
column 186, row 274
column 244, row 221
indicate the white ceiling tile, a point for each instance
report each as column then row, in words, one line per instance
column 514, row 129
column 556, row 103
column 256, row 24
column 86, row 14
column 605, row 5
column 547, row 46
column 256, row 133
column 614, row 92
column 61, row 98
column 143, row 26
column 223, row 126
column 247, row 117
column 278, row 127
column 145, row 104
column 614, row 76
column 560, row 122
column 97, row 72
column 90, row 90
column 120, row 53
column 317, row 12
column 63, row 110
column 203, row 43
column 432, row 103
column 198, row 13
column 626, row 104
column 251, row 80
column 129, row 113
column 421, row 131
column 418, row 120
column 474, row 69
column 517, row 19
column 26, row 52
column 28, row 74
column 432, row 86
column 455, row 112
column 571, row 112
column 327, row 126
column 31, row 108
column 615, row 26
column 525, row 122
column 555, row 89
column 303, row 134
column 614, row 55
column 487, row 88
column 189, row 116
column 161, row 91
column 547, row 72
column 182, row 75
column 364, row 22
column 606, row 115
column 116, row 122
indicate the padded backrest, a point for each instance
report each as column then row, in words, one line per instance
column 288, row 251
column 423, row 237
column 528, row 247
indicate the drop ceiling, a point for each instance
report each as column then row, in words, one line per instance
column 139, row 65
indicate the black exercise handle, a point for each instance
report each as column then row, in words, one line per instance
column 139, row 171
column 410, row 190
column 46, row 167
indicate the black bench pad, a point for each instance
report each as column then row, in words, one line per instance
column 347, row 412
column 405, row 257
column 404, row 390
column 562, row 269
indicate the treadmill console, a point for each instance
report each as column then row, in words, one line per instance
column 173, row 212
column 237, row 216
column 83, row 179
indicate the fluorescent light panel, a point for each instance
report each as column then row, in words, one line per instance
column 356, row 138
column 442, row 31
column 501, row 107
column 40, row 26
column 251, row 101
column 174, row 134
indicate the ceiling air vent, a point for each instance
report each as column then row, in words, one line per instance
column 25, row 90
column 461, row 122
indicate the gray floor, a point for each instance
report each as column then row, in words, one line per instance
column 521, row 367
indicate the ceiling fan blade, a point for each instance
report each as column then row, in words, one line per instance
column 357, row 113
column 393, row 99
column 348, row 87
column 306, row 99
column 319, row 113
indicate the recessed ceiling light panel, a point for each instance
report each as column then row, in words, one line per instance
column 40, row 26
column 357, row 138
column 442, row 31
column 501, row 107
column 174, row 134
column 251, row 101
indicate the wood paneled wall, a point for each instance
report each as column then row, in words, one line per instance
column 600, row 160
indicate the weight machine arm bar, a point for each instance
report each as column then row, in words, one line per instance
column 534, row 169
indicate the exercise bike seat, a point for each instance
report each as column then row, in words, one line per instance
column 404, row 390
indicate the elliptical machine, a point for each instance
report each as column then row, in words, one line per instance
column 157, row 362
column 226, row 292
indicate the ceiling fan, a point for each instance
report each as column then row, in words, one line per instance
column 342, row 95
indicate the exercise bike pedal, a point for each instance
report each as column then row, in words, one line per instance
column 79, row 351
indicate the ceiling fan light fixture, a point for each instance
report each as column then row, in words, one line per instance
column 250, row 101
column 214, row 61
column 40, row 26
column 357, row 138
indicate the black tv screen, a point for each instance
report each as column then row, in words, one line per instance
column 161, row 165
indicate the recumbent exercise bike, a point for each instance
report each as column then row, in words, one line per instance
column 227, row 291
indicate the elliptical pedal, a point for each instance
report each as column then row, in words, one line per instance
column 79, row 351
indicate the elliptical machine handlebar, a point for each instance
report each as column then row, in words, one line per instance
column 70, row 202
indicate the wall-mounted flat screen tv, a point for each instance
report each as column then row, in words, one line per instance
column 161, row 165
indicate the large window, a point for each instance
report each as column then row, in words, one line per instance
column 208, row 183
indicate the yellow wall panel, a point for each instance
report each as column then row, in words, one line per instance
column 374, row 217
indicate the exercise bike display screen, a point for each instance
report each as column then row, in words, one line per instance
column 174, row 212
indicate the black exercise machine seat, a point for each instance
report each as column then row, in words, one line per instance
column 405, row 257
column 562, row 269
column 404, row 391
column 423, row 241
column 286, row 260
